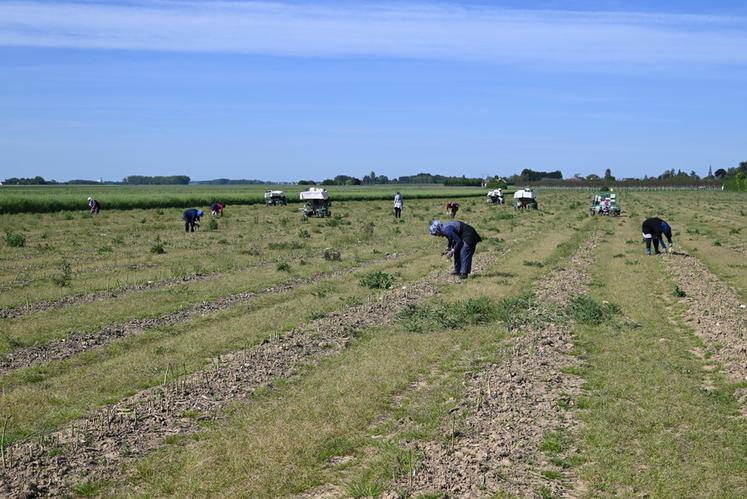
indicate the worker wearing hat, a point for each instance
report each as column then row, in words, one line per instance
column 191, row 219
column 94, row 205
column 463, row 239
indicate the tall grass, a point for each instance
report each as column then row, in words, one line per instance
column 45, row 199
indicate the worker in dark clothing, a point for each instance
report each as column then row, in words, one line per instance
column 463, row 239
column 452, row 208
column 191, row 219
column 94, row 206
column 653, row 229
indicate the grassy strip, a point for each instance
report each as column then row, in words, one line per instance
column 650, row 428
column 47, row 395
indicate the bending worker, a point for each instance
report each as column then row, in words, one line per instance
column 94, row 205
column 463, row 239
column 191, row 217
column 653, row 229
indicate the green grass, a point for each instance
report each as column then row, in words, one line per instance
column 648, row 426
column 46, row 199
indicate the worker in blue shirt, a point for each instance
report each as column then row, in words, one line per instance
column 191, row 219
column 463, row 239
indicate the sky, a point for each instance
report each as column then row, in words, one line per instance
column 288, row 90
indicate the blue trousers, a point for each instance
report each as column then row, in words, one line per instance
column 463, row 259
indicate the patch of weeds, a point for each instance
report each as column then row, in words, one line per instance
column 555, row 442
column 118, row 240
column 212, row 224
column 678, row 292
column 631, row 241
column 365, row 487
column 157, row 247
column 377, row 280
column 14, row 239
column 717, row 243
column 337, row 446
column 67, row 216
column 316, row 315
column 367, row 231
column 551, row 475
column 619, row 255
column 734, row 230
column 65, row 277
column 304, row 234
column 545, row 493
column 426, row 317
column 587, row 310
column 692, row 231
column 191, row 414
column 33, row 375
column 87, row 489
column 533, row 263
column 631, row 262
column 104, row 250
column 283, row 267
column 515, row 311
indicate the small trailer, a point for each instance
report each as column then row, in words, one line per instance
column 496, row 197
column 605, row 203
column 275, row 198
column 525, row 198
column 317, row 202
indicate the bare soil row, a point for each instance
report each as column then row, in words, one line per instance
column 492, row 442
column 716, row 314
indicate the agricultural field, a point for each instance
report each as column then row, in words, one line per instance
column 270, row 355
column 53, row 198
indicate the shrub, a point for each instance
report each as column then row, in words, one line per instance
column 304, row 234
column 14, row 239
column 678, row 292
column 65, row 277
column 420, row 318
column 283, row 267
column 158, row 246
column 212, row 224
column 331, row 255
column 587, row 310
column 377, row 280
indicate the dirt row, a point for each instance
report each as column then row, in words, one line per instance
column 95, row 447
column 492, row 440
column 716, row 314
column 77, row 342
column 43, row 306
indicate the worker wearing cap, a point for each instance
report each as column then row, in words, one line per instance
column 191, row 219
column 463, row 239
column 94, row 205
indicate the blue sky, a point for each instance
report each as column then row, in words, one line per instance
column 310, row 89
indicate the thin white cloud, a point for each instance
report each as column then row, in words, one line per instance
column 360, row 29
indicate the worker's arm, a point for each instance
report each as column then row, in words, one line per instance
column 455, row 242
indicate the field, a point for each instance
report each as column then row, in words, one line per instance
column 268, row 355
column 52, row 198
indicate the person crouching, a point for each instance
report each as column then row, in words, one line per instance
column 462, row 242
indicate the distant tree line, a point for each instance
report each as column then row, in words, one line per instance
column 228, row 181
column 157, row 180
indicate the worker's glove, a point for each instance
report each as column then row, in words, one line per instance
column 449, row 254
